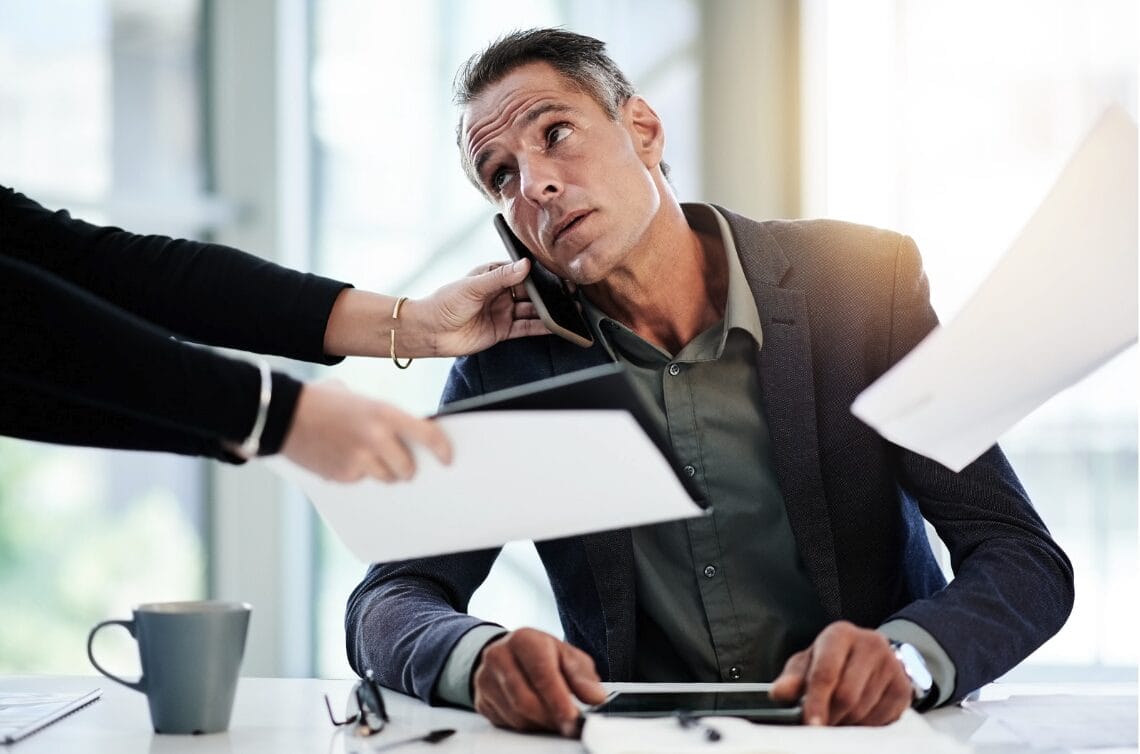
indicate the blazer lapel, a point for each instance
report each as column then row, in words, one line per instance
column 610, row 555
column 788, row 395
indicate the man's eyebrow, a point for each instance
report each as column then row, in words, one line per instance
column 549, row 107
column 529, row 117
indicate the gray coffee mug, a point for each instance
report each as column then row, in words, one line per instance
column 190, row 654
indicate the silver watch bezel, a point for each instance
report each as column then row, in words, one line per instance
column 913, row 664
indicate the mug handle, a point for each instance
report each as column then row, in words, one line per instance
column 140, row 684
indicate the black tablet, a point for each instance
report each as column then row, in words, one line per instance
column 606, row 387
column 756, row 706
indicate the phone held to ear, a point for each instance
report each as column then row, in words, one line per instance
column 556, row 306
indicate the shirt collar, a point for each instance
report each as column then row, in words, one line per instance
column 740, row 310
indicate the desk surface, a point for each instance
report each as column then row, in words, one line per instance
column 281, row 715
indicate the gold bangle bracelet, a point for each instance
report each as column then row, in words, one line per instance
column 392, row 348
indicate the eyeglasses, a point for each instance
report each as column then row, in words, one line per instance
column 371, row 716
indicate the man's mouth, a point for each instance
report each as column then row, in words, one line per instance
column 568, row 223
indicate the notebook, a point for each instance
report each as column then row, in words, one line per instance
column 23, row 713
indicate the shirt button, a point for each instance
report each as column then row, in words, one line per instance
column 674, row 369
column 710, row 571
column 734, row 673
column 690, row 471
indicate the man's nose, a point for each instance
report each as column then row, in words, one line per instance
column 540, row 182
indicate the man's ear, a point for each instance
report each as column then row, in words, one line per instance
column 646, row 130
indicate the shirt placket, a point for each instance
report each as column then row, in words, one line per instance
column 704, row 542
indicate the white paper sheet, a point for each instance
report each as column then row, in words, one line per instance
column 1061, row 302
column 908, row 735
column 515, row 475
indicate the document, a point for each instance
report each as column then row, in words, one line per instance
column 1064, row 721
column 1060, row 303
column 24, row 713
column 617, row 735
column 514, row 475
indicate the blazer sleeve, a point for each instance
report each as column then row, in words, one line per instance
column 404, row 618
column 204, row 292
column 1013, row 585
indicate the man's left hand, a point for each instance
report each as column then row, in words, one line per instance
column 848, row 676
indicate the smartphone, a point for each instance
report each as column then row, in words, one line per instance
column 557, row 307
column 755, row 706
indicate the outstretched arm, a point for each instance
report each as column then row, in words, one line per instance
column 463, row 317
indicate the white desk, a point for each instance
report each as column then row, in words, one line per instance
column 288, row 715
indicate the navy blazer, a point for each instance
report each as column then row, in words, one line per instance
column 838, row 304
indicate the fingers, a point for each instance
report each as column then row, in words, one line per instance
column 849, row 676
column 510, row 693
column 345, row 437
column 525, row 322
column 884, row 697
column 544, row 674
column 829, row 655
column 423, row 431
column 488, row 284
column 527, row 680
column 789, row 686
column 579, row 670
column 525, row 328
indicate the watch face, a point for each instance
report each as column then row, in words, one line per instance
column 915, row 668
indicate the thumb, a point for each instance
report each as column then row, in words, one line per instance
column 493, row 282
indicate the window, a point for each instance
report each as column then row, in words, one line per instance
column 98, row 114
column 950, row 122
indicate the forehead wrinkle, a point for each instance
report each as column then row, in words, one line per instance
column 481, row 133
column 533, row 108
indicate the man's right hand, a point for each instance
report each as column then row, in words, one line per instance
column 527, row 680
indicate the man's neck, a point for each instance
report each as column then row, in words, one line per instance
column 674, row 287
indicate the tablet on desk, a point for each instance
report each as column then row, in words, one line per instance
column 756, row 706
column 602, row 387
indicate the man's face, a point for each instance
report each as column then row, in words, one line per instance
column 574, row 185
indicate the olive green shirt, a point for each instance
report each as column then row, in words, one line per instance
column 723, row 597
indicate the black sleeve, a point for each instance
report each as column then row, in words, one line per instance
column 76, row 370
column 204, row 292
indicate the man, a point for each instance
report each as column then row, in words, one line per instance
column 754, row 338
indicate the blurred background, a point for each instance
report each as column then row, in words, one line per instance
column 320, row 133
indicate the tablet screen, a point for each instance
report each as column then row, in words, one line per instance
column 751, row 705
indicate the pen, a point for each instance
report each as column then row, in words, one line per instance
column 688, row 720
column 433, row 737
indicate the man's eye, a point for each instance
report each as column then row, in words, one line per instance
column 557, row 134
column 498, row 180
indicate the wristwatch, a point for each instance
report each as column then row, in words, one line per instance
column 922, row 685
